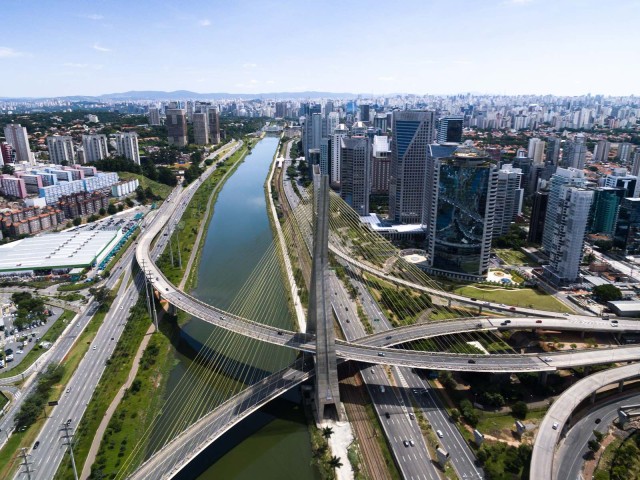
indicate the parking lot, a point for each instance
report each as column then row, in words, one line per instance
column 18, row 343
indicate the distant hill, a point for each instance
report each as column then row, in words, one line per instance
column 188, row 95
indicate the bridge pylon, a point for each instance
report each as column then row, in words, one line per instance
column 320, row 321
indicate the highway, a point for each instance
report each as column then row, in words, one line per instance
column 389, row 403
column 573, row 448
column 47, row 457
column 551, row 428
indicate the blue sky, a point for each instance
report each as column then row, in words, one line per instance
column 562, row 47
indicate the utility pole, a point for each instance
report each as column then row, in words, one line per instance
column 68, row 438
column 170, row 246
column 178, row 228
column 25, row 463
column 146, row 290
column 154, row 314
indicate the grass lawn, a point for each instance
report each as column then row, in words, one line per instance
column 514, row 257
column 607, row 457
column 523, row 297
column 116, row 372
column 159, row 189
column 52, row 334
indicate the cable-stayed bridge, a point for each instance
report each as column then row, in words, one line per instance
column 365, row 256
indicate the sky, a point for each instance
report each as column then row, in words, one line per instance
column 560, row 47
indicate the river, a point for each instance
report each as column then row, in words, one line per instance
column 272, row 443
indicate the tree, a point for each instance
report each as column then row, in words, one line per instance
column 129, row 202
column 100, row 294
column 102, row 212
column 149, row 169
column 520, row 410
column 166, row 176
column 8, row 169
column 327, row 432
column 77, row 221
column 593, row 445
column 455, row 414
column 606, row 293
column 111, row 209
column 603, row 245
column 335, row 462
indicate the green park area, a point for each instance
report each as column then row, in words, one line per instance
column 514, row 257
column 520, row 297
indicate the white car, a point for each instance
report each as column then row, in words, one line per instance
column 439, row 433
column 555, row 425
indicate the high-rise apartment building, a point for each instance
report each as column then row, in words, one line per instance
column 450, row 129
column 635, row 161
column 176, row 123
column 61, row 149
column 214, row 125
column 355, row 173
column 574, row 152
column 94, row 147
column 601, row 152
column 154, row 116
column 460, row 203
column 201, row 128
column 127, row 146
column 538, row 215
column 325, row 153
column 566, row 224
column 624, row 152
column 536, row 150
column 604, row 209
column 17, row 137
column 412, row 135
column 619, row 178
column 333, row 120
column 338, row 134
column 509, row 195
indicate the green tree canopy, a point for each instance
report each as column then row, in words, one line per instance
column 607, row 293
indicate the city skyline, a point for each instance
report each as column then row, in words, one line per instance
column 500, row 47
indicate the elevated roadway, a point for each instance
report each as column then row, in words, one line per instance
column 543, row 465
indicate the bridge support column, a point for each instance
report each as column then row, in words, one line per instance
column 542, row 378
column 593, row 398
column 587, row 370
column 582, row 335
column 320, row 318
column 172, row 310
column 620, row 385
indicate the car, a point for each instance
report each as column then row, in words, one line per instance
column 614, row 324
column 279, row 332
column 471, row 360
column 36, row 445
column 513, row 309
column 68, row 390
column 382, row 389
column 538, row 321
column 507, row 321
column 167, row 289
column 380, row 354
column 474, row 299
column 439, row 433
column 565, row 314
column 121, row 307
column 94, row 347
column 547, row 359
column 412, row 416
column 388, row 337
column 598, row 420
column 478, row 325
column 555, row 425
column 386, row 414
column 376, row 319
column 614, row 321
column 406, row 443
column 412, row 443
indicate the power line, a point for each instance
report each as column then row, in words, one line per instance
column 26, row 463
column 68, row 439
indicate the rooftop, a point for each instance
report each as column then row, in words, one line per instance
column 56, row 250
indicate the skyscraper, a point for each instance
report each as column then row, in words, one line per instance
column 176, row 124
column 214, row 125
column 338, row 134
column 17, row 137
column 566, row 224
column 61, row 149
column 95, row 147
column 154, row 116
column 450, row 129
column 355, row 173
column 624, row 152
column 601, row 153
column 553, row 151
column 460, row 203
column 412, row 135
column 325, row 151
column 604, row 209
column 380, row 164
column 333, row 120
column 574, row 152
column 127, row 146
column 536, row 150
column 201, row 128
column 538, row 215
column 509, row 195
column 627, row 231
column 635, row 160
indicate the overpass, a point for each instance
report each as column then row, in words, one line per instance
column 554, row 422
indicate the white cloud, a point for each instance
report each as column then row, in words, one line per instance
column 6, row 52
column 386, row 79
column 204, row 22
column 270, row 82
column 100, row 48
column 94, row 16
column 249, row 65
